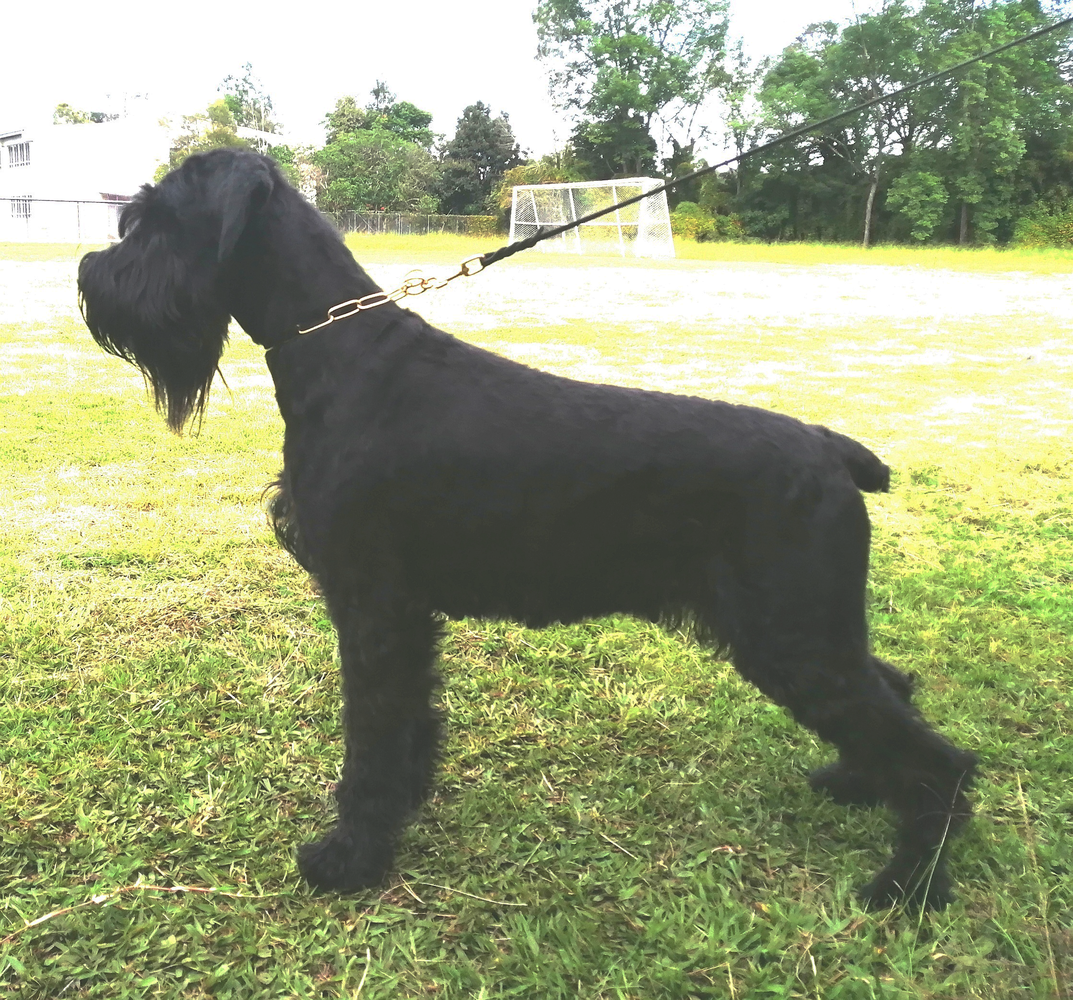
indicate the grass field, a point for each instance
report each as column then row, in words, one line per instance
column 618, row 816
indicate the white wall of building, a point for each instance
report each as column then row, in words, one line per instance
column 74, row 163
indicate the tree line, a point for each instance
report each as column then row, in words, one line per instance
column 982, row 157
column 380, row 156
column 384, row 156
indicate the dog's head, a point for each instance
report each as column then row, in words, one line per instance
column 155, row 298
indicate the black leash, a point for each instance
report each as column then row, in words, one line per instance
column 546, row 234
column 474, row 265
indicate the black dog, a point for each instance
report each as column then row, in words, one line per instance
column 424, row 477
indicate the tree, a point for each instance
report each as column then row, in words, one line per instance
column 377, row 157
column 993, row 108
column 290, row 162
column 345, row 118
column 828, row 71
column 552, row 168
column 619, row 145
column 743, row 115
column 474, row 161
column 983, row 123
column 248, row 101
column 372, row 170
column 213, row 129
column 409, row 123
column 624, row 66
column 943, row 159
column 921, row 196
column 66, row 115
column 399, row 118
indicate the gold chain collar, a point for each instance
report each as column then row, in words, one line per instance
column 413, row 285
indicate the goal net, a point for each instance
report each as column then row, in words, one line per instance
column 639, row 230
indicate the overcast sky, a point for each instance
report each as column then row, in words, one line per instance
column 438, row 54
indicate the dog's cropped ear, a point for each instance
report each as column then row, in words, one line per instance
column 243, row 192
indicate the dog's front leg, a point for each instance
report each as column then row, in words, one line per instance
column 386, row 647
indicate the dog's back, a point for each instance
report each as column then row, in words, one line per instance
column 527, row 495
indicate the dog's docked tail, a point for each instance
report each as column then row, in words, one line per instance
column 867, row 471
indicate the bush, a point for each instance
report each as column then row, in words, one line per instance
column 692, row 222
column 1046, row 227
column 482, row 225
column 730, row 227
column 287, row 162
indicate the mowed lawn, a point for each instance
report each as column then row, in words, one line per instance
column 618, row 815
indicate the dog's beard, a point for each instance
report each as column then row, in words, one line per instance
column 141, row 305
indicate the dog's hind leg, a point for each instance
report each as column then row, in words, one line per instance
column 387, row 648
column 901, row 683
column 795, row 617
column 888, row 754
column 896, row 757
column 845, row 785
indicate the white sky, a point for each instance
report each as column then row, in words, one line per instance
column 440, row 55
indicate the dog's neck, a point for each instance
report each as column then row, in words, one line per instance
column 305, row 278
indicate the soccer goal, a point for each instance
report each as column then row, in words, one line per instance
column 639, row 230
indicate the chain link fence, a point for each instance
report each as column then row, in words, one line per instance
column 413, row 224
column 56, row 220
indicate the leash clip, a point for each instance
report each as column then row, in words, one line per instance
column 472, row 265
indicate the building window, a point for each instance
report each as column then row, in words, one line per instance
column 18, row 154
column 20, row 208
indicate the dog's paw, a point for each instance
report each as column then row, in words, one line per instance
column 887, row 890
column 338, row 863
column 846, row 787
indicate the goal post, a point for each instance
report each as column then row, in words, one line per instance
column 639, row 230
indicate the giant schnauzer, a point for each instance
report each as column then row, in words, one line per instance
column 424, row 477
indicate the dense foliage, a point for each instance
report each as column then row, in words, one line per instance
column 967, row 160
column 248, row 101
column 962, row 161
column 475, row 160
column 385, row 157
column 373, row 170
column 383, row 113
column 982, row 157
column 64, row 114
column 626, row 68
column 213, row 128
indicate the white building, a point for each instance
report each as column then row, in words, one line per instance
column 66, row 183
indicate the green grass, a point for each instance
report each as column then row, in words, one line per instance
column 618, row 816
column 448, row 248
column 949, row 258
column 45, row 251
